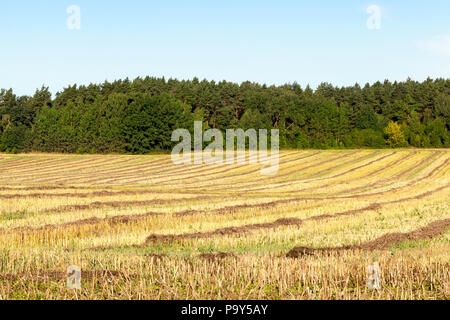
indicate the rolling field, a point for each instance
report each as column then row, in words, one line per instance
column 141, row 227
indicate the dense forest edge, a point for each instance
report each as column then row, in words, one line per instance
column 139, row 116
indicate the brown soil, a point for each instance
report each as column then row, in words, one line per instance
column 359, row 167
column 156, row 256
column 341, row 195
column 274, row 203
column 155, row 171
column 117, row 204
column 396, row 177
column 315, row 165
column 110, row 171
column 196, row 168
column 293, row 171
column 102, row 193
column 57, row 276
column 432, row 230
column 119, row 174
column 342, row 174
column 25, row 168
column 36, row 188
column 229, row 168
column 105, row 193
column 21, row 163
column 281, row 222
column 240, row 174
column 359, row 178
column 65, row 168
column 55, row 164
column 155, row 238
column 84, row 222
column 78, row 176
column 137, row 217
column 345, row 163
column 390, row 165
column 216, row 256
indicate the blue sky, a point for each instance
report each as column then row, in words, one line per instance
column 270, row 42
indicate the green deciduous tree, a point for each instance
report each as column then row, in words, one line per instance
column 394, row 135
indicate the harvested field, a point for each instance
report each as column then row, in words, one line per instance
column 140, row 227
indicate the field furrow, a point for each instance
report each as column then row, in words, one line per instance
column 125, row 218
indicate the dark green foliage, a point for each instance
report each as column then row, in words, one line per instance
column 367, row 118
column 139, row 116
column 14, row 139
column 365, row 138
column 149, row 121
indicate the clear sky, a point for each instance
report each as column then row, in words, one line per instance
column 270, row 42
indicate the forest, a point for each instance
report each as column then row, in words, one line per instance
column 138, row 116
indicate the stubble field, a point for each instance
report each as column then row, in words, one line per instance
column 140, row 227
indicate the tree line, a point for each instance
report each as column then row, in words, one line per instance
column 139, row 116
